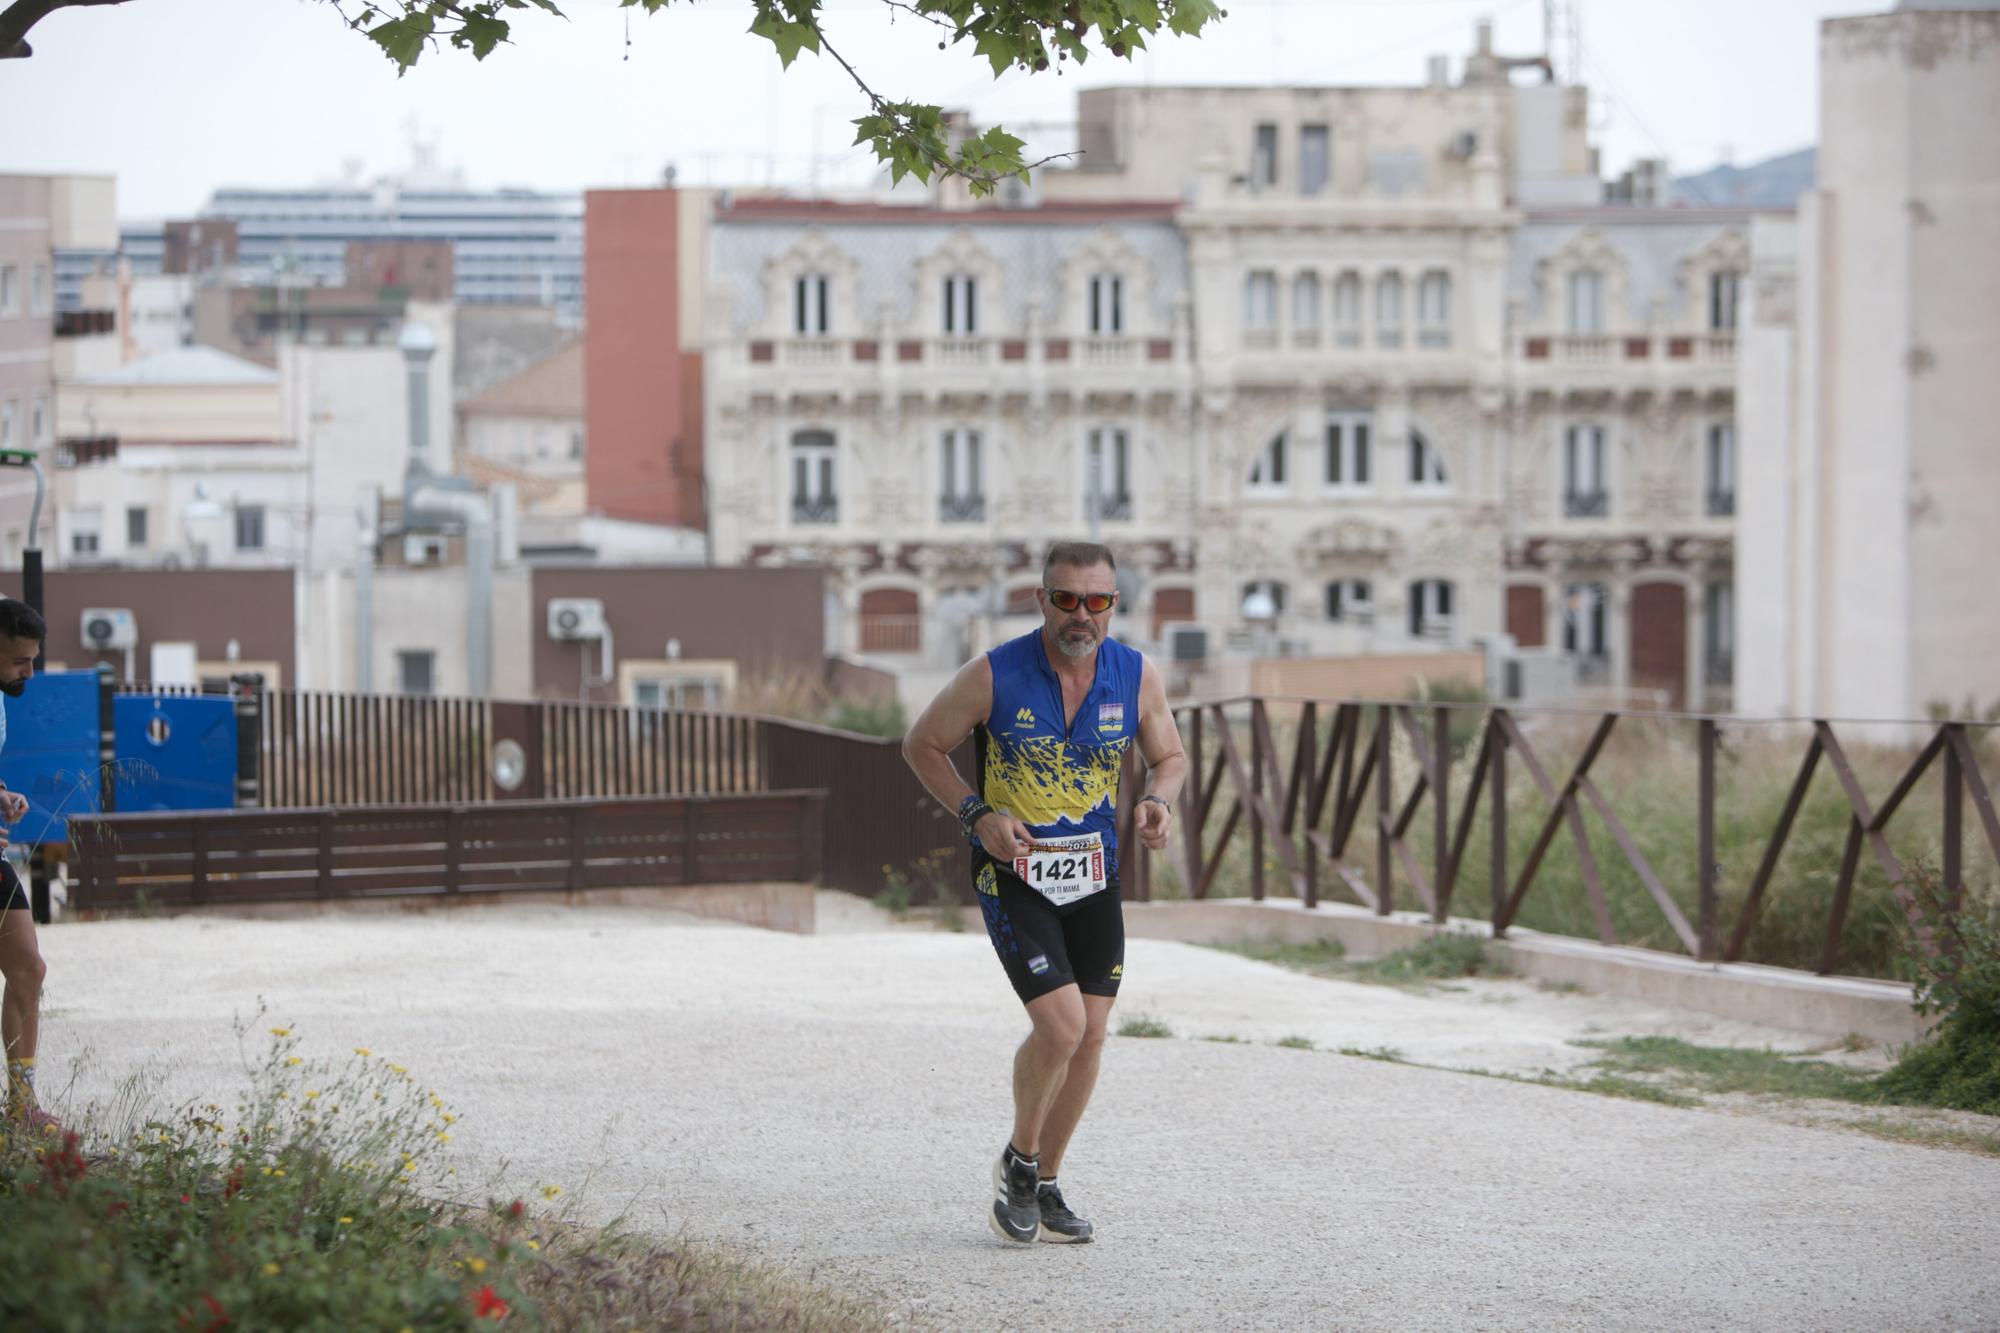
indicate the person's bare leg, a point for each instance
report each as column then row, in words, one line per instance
column 1043, row 1060
column 20, row 1010
column 1079, row 1079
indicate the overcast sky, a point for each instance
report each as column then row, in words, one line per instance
column 178, row 97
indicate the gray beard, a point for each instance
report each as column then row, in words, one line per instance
column 1069, row 647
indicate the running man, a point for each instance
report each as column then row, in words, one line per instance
column 1053, row 713
column 22, row 630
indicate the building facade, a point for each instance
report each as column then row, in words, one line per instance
column 1383, row 377
column 1869, row 546
column 920, row 400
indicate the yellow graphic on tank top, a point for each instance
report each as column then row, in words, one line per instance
column 1041, row 780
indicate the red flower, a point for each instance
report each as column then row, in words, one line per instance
column 216, row 1324
column 235, row 1183
column 486, row 1305
column 514, row 1208
column 185, row 1199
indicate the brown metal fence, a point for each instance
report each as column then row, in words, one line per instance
column 1305, row 815
column 212, row 858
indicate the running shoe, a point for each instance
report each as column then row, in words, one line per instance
column 1059, row 1225
column 1016, row 1215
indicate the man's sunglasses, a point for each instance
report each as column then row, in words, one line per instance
column 1097, row 603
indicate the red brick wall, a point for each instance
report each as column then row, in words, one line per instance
column 634, row 373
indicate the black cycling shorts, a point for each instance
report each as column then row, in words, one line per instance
column 1045, row 947
column 12, row 890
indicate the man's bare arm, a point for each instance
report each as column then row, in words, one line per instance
column 943, row 726
column 1159, row 736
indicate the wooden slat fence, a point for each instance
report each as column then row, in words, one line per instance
column 194, row 859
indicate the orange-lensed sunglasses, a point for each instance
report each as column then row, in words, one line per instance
column 1097, row 603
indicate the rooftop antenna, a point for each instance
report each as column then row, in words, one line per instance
column 1562, row 39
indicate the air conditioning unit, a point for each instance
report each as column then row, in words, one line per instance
column 105, row 628
column 576, row 618
column 1187, row 643
column 423, row 550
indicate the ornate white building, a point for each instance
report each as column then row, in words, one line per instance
column 1351, row 370
column 921, row 401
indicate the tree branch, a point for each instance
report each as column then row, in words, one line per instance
column 17, row 18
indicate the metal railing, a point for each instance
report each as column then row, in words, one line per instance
column 1586, row 504
column 1304, row 817
column 961, row 508
column 815, row 509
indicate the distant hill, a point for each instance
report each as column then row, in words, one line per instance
column 1773, row 183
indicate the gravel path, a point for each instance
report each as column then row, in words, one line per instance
column 835, row 1102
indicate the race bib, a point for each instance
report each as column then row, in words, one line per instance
column 1064, row 869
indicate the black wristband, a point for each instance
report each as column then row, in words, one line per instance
column 969, row 820
column 1161, row 799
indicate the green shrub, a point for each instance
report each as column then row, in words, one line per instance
column 1958, row 1065
column 868, row 719
column 316, row 1205
column 304, row 1209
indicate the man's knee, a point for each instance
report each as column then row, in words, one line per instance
column 1060, row 1022
column 24, row 970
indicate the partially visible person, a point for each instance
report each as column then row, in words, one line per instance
column 22, row 630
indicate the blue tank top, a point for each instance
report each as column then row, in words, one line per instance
column 1058, row 780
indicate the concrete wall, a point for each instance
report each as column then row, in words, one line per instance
column 195, row 413
column 763, row 621
column 1953, row 215
column 27, row 343
column 1774, row 996
column 208, row 608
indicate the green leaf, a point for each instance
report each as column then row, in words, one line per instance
column 787, row 35
column 1190, row 16
column 481, row 34
column 402, row 40
column 998, row 50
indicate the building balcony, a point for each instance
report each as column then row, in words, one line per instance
column 1646, row 356
column 969, row 364
column 961, row 509
column 81, row 451
column 85, row 323
column 1587, row 504
column 899, row 636
column 1114, row 507
column 815, row 509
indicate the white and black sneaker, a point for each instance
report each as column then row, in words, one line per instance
column 1016, row 1214
column 1059, row 1225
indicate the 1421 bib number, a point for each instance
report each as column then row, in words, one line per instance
column 1064, row 869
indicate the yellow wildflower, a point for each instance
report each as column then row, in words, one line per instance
column 281, row 1032
column 272, row 1270
column 363, row 1052
column 534, row 1245
column 550, row 1191
column 443, row 1137
column 477, row 1265
column 293, row 1060
column 345, row 1220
